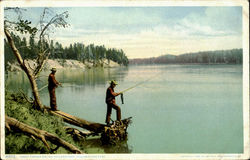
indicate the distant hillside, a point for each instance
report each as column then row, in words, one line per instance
column 233, row 56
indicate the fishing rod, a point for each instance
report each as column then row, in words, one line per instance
column 136, row 85
column 62, row 84
column 43, row 87
column 140, row 83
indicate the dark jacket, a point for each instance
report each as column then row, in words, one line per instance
column 110, row 95
column 52, row 81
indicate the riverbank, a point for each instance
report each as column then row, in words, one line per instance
column 63, row 64
column 17, row 143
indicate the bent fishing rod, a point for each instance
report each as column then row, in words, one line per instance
column 136, row 85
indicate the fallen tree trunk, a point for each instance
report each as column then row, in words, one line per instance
column 110, row 134
column 91, row 126
column 12, row 123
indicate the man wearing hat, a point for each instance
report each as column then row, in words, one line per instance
column 52, row 89
column 110, row 100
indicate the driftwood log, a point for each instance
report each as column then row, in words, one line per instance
column 91, row 126
column 79, row 135
column 109, row 134
column 13, row 124
column 112, row 134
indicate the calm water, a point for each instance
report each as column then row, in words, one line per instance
column 181, row 109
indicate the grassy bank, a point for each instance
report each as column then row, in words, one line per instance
column 18, row 143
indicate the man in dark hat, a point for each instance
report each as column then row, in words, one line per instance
column 110, row 100
column 52, row 89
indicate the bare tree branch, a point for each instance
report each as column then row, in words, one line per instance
column 25, row 97
column 13, row 47
column 57, row 20
column 27, row 64
column 41, row 60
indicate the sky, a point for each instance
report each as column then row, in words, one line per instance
column 150, row 31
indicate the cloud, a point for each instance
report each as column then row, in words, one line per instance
column 141, row 33
column 72, row 32
column 157, row 41
column 216, row 21
column 120, row 19
column 172, row 21
column 224, row 18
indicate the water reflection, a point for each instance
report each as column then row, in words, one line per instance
column 91, row 77
column 17, row 80
column 96, row 144
column 70, row 78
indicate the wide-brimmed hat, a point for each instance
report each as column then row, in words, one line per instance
column 53, row 69
column 113, row 82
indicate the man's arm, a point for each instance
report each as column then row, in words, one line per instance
column 113, row 93
column 54, row 80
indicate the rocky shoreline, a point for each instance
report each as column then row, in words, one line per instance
column 63, row 64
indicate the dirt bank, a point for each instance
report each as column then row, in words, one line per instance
column 63, row 64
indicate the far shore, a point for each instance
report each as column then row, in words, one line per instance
column 63, row 64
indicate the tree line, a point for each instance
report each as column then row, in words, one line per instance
column 233, row 56
column 76, row 51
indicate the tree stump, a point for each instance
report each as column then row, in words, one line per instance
column 115, row 132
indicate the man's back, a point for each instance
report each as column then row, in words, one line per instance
column 110, row 97
column 52, row 81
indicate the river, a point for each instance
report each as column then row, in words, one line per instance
column 178, row 109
